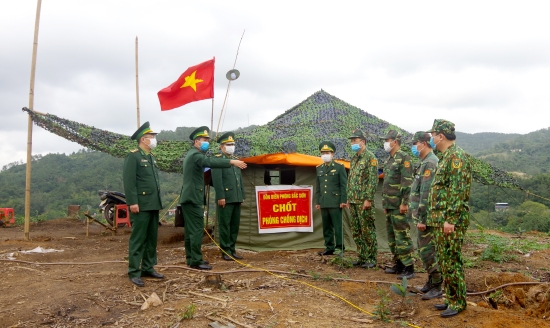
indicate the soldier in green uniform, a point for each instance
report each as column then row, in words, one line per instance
column 420, row 189
column 142, row 190
column 192, row 193
column 449, row 214
column 362, row 181
column 330, row 198
column 395, row 201
column 228, row 183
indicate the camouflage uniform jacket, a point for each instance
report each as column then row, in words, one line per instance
column 450, row 192
column 397, row 180
column 362, row 178
column 420, row 188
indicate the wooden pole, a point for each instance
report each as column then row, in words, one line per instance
column 29, row 126
column 137, row 84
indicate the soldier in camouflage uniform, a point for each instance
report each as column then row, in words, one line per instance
column 395, row 201
column 449, row 214
column 420, row 189
column 362, row 181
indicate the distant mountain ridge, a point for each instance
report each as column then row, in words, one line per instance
column 474, row 143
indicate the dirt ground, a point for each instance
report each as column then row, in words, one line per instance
column 96, row 291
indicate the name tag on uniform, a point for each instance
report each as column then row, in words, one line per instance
column 144, row 160
column 333, row 170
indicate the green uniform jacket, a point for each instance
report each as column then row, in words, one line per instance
column 363, row 177
column 420, row 188
column 331, row 185
column 141, row 181
column 192, row 191
column 228, row 183
column 397, row 180
column 450, row 192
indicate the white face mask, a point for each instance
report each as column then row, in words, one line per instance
column 387, row 147
column 326, row 158
column 152, row 143
column 230, row 149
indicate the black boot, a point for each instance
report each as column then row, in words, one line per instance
column 408, row 272
column 427, row 286
column 397, row 268
column 434, row 287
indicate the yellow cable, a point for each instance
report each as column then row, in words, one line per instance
column 301, row 282
column 169, row 207
column 530, row 193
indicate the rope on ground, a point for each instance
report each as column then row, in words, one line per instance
column 271, row 272
column 263, row 270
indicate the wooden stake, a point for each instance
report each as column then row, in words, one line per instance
column 29, row 125
column 137, row 84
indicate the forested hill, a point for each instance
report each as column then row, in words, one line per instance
column 528, row 154
column 474, row 143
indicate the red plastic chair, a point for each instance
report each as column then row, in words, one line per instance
column 7, row 216
column 122, row 216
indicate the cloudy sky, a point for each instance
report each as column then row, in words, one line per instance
column 484, row 65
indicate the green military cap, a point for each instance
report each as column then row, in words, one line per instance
column 357, row 134
column 421, row 136
column 226, row 138
column 443, row 126
column 392, row 134
column 144, row 129
column 327, row 146
column 203, row 131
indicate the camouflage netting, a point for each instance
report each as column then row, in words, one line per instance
column 300, row 129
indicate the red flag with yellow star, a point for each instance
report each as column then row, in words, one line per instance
column 196, row 83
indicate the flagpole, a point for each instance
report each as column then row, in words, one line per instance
column 29, row 125
column 229, row 85
column 137, row 84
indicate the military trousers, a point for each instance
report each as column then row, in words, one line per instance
column 229, row 219
column 194, row 231
column 426, row 250
column 449, row 257
column 142, row 245
column 332, row 228
column 364, row 232
column 399, row 236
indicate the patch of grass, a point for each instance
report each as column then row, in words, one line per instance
column 498, row 250
column 314, row 275
column 382, row 309
column 342, row 262
column 187, row 313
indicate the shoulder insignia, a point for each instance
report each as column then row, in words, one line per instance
column 407, row 164
column 134, row 150
column 320, row 164
column 373, row 162
column 427, row 173
column 338, row 163
column 457, row 163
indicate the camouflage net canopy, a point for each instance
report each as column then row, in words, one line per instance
column 300, row 129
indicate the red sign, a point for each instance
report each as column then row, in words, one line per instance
column 284, row 208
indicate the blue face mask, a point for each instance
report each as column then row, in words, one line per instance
column 414, row 150
column 204, row 145
column 355, row 147
column 432, row 144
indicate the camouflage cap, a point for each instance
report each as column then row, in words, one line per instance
column 421, row 136
column 327, row 146
column 357, row 134
column 392, row 134
column 203, row 131
column 443, row 126
column 143, row 130
column 226, row 138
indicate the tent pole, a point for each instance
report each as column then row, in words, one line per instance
column 29, row 125
column 137, row 85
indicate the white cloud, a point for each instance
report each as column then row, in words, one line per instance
column 483, row 65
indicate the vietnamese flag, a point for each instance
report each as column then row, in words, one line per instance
column 196, row 83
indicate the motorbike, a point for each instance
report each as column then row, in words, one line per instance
column 108, row 201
